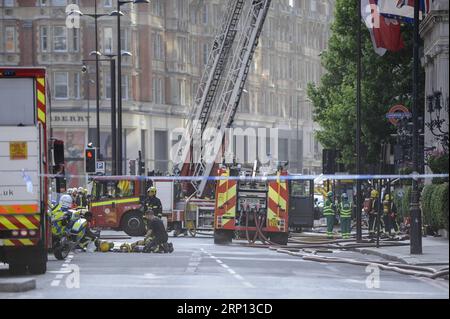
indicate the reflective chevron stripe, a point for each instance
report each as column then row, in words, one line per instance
column 40, row 93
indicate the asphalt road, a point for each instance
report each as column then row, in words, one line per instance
column 199, row 269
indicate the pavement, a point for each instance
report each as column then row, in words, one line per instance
column 435, row 251
column 199, row 269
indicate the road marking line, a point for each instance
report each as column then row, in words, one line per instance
column 231, row 271
column 59, row 276
column 55, row 283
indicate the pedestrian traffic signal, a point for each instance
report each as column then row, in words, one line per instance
column 90, row 157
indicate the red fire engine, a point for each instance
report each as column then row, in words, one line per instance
column 25, row 159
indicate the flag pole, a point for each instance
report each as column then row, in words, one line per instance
column 358, row 129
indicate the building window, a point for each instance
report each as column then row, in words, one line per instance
column 182, row 92
column 158, row 8
column 194, row 58
column 107, row 3
column 60, row 3
column 124, row 39
column 76, row 85
column 181, row 50
column 158, row 46
column 10, row 39
column 205, row 53
column 161, row 151
column 44, row 3
column 61, row 85
column 59, row 38
column 158, row 91
column 107, row 87
column 125, row 87
column 205, row 14
column 75, row 39
column 8, row 3
column 181, row 8
column 313, row 6
column 44, row 38
column 108, row 40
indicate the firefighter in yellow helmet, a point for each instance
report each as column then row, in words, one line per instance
column 152, row 202
column 373, row 212
column 329, row 211
column 390, row 215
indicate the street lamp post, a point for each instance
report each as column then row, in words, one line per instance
column 95, row 16
column 88, row 81
column 416, row 218
column 113, row 108
column 118, row 13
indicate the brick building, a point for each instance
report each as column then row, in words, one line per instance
column 170, row 42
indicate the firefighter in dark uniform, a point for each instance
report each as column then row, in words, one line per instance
column 373, row 213
column 156, row 238
column 152, row 202
column 390, row 216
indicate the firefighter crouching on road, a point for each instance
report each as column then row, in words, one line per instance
column 345, row 211
column 156, row 238
column 329, row 212
column 152, row 202
column 390, row 215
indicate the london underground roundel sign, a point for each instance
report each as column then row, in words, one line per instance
column 398, row 112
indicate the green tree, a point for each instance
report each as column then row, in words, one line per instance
column 386, row 81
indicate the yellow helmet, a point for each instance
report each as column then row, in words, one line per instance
column 125, row 247
column 388, row 197
column 151, row 190
column 374, row 193
column 105, row 246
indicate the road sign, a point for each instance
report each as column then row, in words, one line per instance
column 100, row 167
column 398, row 112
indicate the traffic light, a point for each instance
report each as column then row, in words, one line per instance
column 141, row 168
column 90, row 157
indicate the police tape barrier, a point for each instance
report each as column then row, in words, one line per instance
column 316, row 178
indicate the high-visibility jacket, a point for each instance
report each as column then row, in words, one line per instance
column 345, row 210
column 328, row 208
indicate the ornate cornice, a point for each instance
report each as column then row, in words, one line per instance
column 434, row 17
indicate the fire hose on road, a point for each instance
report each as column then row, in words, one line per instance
column 405, row 269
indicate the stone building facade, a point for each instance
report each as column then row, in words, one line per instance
column 170, row 41
column 434, row 30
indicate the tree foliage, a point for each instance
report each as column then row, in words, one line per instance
column 386, row 81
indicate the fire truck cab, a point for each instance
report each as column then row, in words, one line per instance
column 116, row 204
